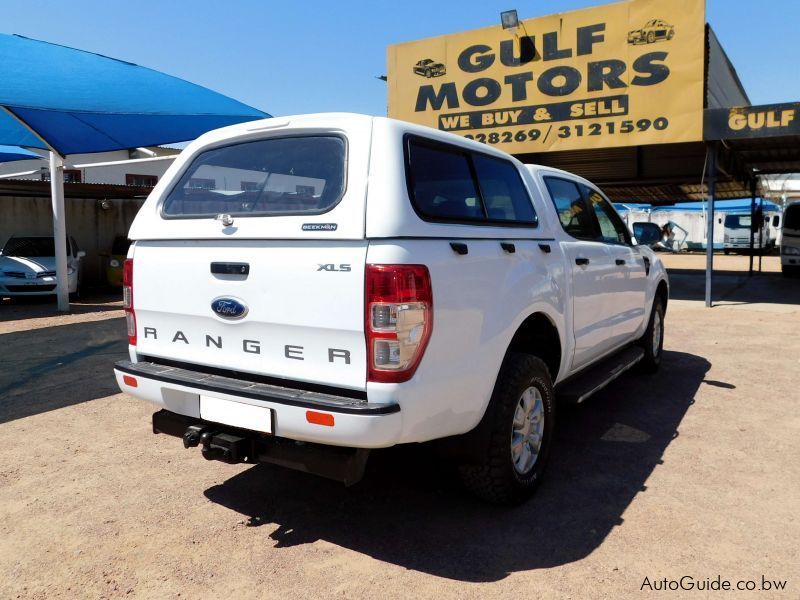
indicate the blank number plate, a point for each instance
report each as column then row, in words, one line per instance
column 236, row 414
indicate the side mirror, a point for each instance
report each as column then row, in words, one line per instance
column 646, row 234
column 81, row 253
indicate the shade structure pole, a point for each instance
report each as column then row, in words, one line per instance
column 712, row 190
column 760, row 232
column 59, row 230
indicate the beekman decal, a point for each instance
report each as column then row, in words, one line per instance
column 558, row 81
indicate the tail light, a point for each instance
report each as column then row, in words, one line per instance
column 399, row 320
column 127, row 299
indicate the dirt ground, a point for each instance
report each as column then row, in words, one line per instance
column 691, row 472
column 696, row 261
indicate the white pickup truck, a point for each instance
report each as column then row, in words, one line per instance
column 301, row 290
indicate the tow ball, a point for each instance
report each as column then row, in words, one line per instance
column 225, row 447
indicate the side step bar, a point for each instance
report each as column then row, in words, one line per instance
column 577, row 389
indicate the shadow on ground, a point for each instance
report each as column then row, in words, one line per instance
column 53, row 367
column 411, row 511
column 770, row 288
column 33, row 307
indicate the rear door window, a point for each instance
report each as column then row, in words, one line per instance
column 612, row 229
column 575, row 217
column 452, row 184
column 277, row 176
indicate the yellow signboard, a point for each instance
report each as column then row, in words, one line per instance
column 622, row 74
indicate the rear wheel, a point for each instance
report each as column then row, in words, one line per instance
column 652, row 342
column 651, row 37
column 521, row 435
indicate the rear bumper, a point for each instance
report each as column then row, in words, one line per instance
column 357, row 423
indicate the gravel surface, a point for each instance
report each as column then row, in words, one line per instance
column 691, row 472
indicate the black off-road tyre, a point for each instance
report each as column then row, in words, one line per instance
column 497, row 480
column 653, row 349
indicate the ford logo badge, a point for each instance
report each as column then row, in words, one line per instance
column 229, row 308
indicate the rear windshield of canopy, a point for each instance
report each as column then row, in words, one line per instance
column 278, row 176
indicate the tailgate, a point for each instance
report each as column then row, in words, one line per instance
column 302, row 305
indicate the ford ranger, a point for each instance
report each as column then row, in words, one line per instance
column 301, row 290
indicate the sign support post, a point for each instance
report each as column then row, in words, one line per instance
column 752, row 220
column 712, row 190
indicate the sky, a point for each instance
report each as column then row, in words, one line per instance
column 301, row 57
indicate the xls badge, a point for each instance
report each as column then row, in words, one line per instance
column 229, row 308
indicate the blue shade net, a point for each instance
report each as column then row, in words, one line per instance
column 81, row 102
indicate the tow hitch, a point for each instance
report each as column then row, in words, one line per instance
column 232, row 446
column 225, row 447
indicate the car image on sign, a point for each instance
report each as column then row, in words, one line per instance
column 430, row 68
column 653, row 31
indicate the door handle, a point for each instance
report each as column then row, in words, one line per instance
column 545, row 248
column 224, row 268
column 581, row 261
column 508, row 247
column 459, row 248
column 620, row 261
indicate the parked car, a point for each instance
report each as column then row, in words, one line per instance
column 454, row 298
column 28, row 266
column 119, row 251
column 653, row 31
column 430, row 68
column 790, row 240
